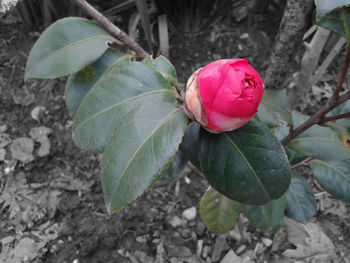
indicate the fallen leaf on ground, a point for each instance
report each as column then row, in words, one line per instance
column 40, row 134
column 309, row 239
column 25, row 251
column 22, row 149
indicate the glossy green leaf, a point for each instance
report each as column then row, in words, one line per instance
column 334, row 177
column 177, row 165
column 65, row 47
column 190, row 143
column 318, row 142
column 218, row 213
column 274, row 109
column 247, row 165
column 268, row 218
column 301, row 204
column 337, row 20
column 341, row 126
column 124, row 87
column 140, row 151
column 324, row 7
column 294, row 157
column 80, row 83
column 163, row 66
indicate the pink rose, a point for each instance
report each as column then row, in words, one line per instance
column 224, row 95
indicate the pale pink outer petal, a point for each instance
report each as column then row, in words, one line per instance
column 222, row 123
column 193, row 105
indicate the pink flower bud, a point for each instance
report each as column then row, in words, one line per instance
column 224, row 95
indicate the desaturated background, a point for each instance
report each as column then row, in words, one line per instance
column 51, row 202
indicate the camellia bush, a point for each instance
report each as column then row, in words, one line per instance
column 132, row 109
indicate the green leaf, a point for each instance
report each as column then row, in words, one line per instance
column 268, row 218
column 334, row 177
column 163, row 66
column 324, row 7
column 341, row 126
column 140, row 151
column 190, row 143
column 338, row 21
column 274, row 109
column 218, row 213
column 294, row 157
column 247, row 165
column 301, row 204
column 281, row 132
column 65, row 47
column 80, row 83
column 318, row 142
column 124, row 87
column 177, row 165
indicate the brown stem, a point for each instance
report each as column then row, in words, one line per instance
column 303, row 162
column 112, row 29
column 342, row 76
column 316, row 118
column 336, row 117
column 335, row 100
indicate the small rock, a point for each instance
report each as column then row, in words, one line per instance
column 235, row 235
column 176, row 221
column 200, row 228
column 179, row 252
column 205, row 252
column 2, row 155
column 231, row 257
column 37, row 133
column 185, row 233
column 3, row 128
column 35, row 113
column 240, row 249
column 190, row 213
column 7, row 240
column 219, row 247
column 244, row 36
column 173, row 260
column 141, row 239
column 40, row 134
column 194, row 259
column 4, row 139
column 22, row 150
column 44, row 148
column 266, row 241
column 143, row 257
column 199, row 247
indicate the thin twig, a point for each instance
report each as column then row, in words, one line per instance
column 112, row 29
column 319, row 116
column 303, row 162
column 316, row 118
column 342, row 76
column 335, row 117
